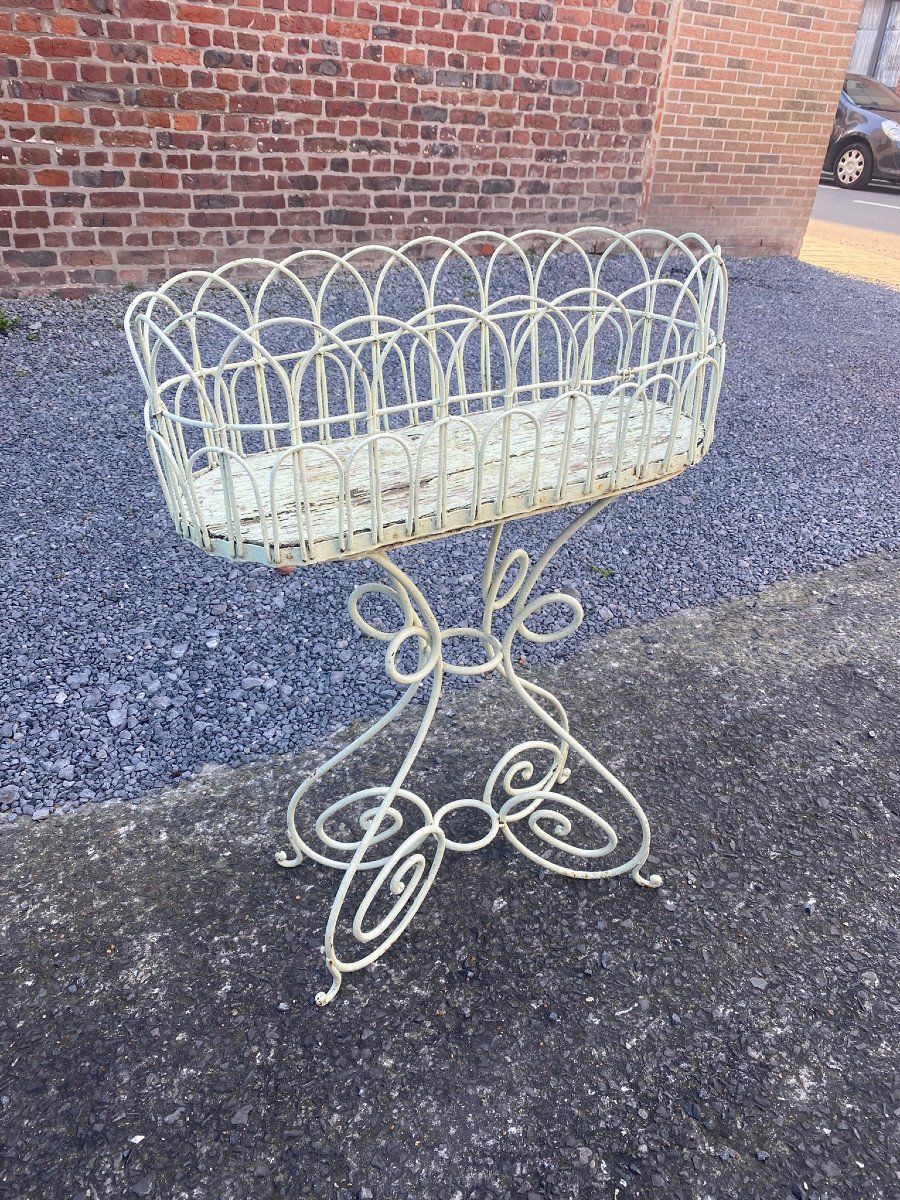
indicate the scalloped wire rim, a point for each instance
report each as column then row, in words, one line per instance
column 383, row 429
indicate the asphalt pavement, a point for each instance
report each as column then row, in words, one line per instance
column 733, row 1034
column 876, row 208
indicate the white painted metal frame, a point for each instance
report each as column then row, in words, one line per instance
column 304, row 421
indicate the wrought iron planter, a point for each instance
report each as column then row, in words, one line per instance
column 306, row 420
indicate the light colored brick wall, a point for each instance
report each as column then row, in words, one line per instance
column 141, row 136
column 749, row 94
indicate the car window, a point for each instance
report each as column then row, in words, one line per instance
column 869, row 93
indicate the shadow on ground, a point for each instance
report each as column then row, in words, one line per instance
column 733, row 1034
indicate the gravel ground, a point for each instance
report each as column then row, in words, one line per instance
column 132, row 659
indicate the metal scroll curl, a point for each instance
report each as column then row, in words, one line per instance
column 546, row 812
column 391, row 830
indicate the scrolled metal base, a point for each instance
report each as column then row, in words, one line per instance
column 520, row 800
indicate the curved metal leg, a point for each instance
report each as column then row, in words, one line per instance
column 405, row 871
column 528, row 799
column 537, row 803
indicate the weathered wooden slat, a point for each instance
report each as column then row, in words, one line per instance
column 366, row 492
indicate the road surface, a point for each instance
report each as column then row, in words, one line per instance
column 876, row 208
column 856, row 233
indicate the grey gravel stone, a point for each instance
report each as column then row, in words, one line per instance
column 124, row 589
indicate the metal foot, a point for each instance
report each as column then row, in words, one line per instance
column 558, row 832
column 651, row 881
column 323, row 998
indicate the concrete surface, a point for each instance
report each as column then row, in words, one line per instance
column 731, row 1035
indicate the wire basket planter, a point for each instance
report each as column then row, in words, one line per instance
column 335, row 407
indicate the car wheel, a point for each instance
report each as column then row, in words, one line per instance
column 853, row 166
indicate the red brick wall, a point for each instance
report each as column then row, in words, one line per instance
column 140, row 136
column 749, row 96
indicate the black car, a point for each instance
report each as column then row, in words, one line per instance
column 865, row 140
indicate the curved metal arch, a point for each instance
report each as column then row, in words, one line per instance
column 439, row 431
column 371, row 447
column 297, row 455
column 223, row 458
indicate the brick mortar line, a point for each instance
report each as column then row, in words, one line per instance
column 465, row 43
